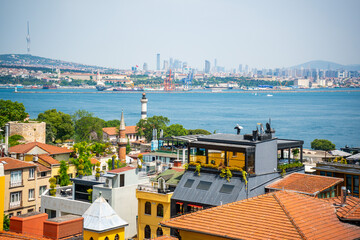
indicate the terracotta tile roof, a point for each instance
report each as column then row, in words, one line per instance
column 25, row 148
column 12, row 163
column 165, row 238
column 114, row 131
column 42, row 168
column 123, row 169
column 305, row 183
column 276, row 215
column 350, row 211
column 94, row 161
column 48, row 159
column 12, row 235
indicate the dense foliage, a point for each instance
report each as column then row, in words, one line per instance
column 11, row 111
column 59, row 126
column 83, row 161
column 14, row 140
column 64, row 178
column 89, row 129
column 322, row 144
column 145, row 126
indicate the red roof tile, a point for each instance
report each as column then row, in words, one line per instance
column 12, row 235
column 12, row 163
column 350, row 211
column 48, row 159
column 305, row 183
column 114, row 131
column 165, row 238
column 25, row 148
column 276, row 215
column 94, row 161
column 123, row 169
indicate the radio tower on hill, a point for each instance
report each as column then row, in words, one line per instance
column 168, row 86
column 28, row 38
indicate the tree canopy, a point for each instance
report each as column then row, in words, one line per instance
column 89, row 129
column 198, row 131
column 63, row 174
column 322, row 144
column 11, row 111
column 83, row 161
column 59, row 125
column 175, row 130
column 145, row 126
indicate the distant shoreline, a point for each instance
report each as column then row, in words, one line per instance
column 246, row 91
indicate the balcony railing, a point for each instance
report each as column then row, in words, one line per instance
column 16, row 184
column 15, row 204
column 153, row 189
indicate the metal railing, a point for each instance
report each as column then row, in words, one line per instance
column 16, row 184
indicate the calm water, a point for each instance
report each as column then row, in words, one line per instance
column 294, row 115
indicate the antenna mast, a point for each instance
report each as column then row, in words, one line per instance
column 28, row 38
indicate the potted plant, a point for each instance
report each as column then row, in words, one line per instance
column 97, row 174
column 52, row 182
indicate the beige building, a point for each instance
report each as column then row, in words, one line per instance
column 24, row 184
column 301, row 83
column 32, row 131
column 111, row 134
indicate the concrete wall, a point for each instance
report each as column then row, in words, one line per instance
column 63, row 205
column 266, row 157
column 32, row 131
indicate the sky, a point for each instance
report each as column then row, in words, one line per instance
column 125, row 33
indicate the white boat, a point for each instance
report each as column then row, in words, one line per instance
column 269, row 95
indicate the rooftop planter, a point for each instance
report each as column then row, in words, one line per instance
column 290, row 167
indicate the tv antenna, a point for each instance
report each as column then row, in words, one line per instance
column 28, row 38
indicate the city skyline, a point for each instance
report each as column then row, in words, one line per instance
column 259, row 34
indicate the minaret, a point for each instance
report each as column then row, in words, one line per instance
column 122, row 139
column 144, row 101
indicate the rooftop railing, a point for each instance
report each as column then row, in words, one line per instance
column 153, row 188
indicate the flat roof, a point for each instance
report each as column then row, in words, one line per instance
column 64, row 218
column 223, row 146
column 161, row 154
column 288, row 143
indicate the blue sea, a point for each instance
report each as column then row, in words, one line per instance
column 301, row 115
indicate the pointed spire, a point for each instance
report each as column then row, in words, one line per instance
column 122, row 121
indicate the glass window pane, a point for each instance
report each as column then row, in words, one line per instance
column 203, row 185
column 356, row 184
column 189, row 183
column 349, row 183
column 226, row 188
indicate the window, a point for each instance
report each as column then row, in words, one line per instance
column 122, row 180
column 189, row 183
column 203, row 185
column 193, row 208
column 16, row 178
column 42, row 190
column 160, row 210
column 159, row 232
column 322, row 173
column 147, row 231
column 43, row 174
column 329, row 174
column 31, row 194
column 30, row 210
column 349, row 183
column 31, row 173
column 356, row 184
column 18, row 213
column 148, row 208
column 179, row 208
column 106, row 238
column 226, row 188
column 15, row 199
column 117, row 237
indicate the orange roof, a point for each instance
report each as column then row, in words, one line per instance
column 305, row 183
column 25, row 148
column 12, row 163
column 114, row 131
column 94, row 161
column 276, row 215
column 42, row 168
column 12, row 235
column 351, row 209
column 123, row 169
column 165, row 238
column 48, row 159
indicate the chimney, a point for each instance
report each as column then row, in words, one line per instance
column 113, row 162
column 7, row 133
column 343, row 195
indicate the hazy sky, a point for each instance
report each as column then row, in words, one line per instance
column 124, row 33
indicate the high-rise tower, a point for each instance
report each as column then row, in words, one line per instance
column 28, row 38
column 144, row 101
column 158, row 61
column 207, row 66
column 122, row 139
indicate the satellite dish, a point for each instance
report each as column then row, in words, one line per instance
column 238, row 128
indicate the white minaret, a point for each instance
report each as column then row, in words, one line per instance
column 143, row 101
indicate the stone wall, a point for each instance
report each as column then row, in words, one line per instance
column 31, row 131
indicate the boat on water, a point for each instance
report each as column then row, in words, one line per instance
column 49, row 86
column 269, row 95
column 101, row 87
column 128, row 89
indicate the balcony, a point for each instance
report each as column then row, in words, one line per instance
column 16, row 184
column 15, row 204
column 153, row 188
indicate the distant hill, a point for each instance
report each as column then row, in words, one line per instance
column 327, row 65
column 27, row 60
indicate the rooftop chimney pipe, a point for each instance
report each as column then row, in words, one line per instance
column 343, row 195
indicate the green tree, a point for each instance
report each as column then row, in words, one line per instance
column 145, row 126
column 11, row 111
column 83, row 161
column 198, row 131
column 80, row 114
column 89, row 129
column 175, row 130
column 322, row 144
column 60, row 126
column 112, row 123
column 98, row 148
column 14, row 140
column 128, row 147
column 64, row 177
column 6, row 224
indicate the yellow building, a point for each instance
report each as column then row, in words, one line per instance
column 153, row 207
column 54, row 164
column 2, row 195
column 102, row 223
